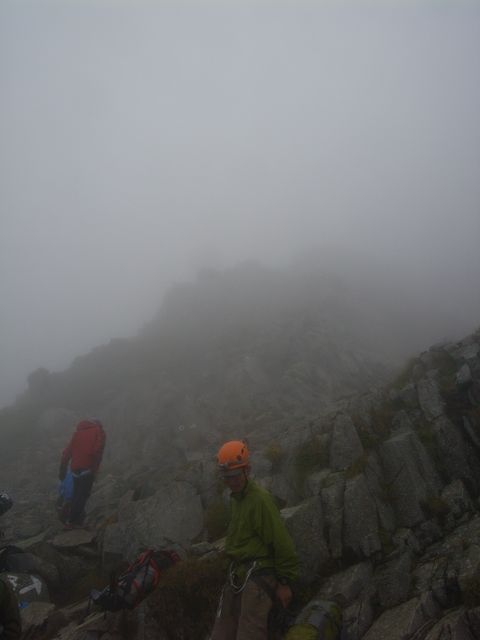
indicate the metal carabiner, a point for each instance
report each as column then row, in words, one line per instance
column 231, row 578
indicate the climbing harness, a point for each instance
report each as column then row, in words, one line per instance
column 236, row 588
column 232, row 583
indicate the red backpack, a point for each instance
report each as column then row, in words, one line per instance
column 138, row 581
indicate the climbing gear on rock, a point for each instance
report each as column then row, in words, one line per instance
column 319, row 620
column 232, row 577
column 138, row 581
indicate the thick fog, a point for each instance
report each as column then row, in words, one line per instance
column 143, row 140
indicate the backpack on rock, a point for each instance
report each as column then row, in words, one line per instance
column 137, row 582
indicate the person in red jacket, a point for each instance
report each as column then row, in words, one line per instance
column 84, row 453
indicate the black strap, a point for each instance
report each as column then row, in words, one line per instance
column 248, row 560
column 280, row 619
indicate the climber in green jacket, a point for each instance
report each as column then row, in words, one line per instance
column 10, row 627
column 263, row 558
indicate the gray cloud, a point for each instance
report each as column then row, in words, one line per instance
column 143, row 140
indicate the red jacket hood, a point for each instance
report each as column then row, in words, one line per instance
column 87, row 424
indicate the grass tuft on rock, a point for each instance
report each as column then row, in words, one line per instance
column 186, row 599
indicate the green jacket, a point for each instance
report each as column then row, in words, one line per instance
column 257, row 532
column 10, row 627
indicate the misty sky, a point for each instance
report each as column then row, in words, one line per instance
column 141, row 140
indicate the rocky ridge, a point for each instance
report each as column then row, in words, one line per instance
column 380, row 493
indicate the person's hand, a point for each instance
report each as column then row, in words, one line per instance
column 284, row 594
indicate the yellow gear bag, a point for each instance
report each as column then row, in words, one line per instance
column 319, row 620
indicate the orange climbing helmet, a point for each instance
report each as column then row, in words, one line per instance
column 233, row 455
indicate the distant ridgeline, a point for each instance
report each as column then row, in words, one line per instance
column 233, row 347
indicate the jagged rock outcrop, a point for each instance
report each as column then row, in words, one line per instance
column 457, row 500
column 461, row 624
column 430, row 399
column 393, row 580
column 409, row 476
column 382, row 493
column 173, row 514
column 361, row 528
column 305, row 523
column 332, row 501
column 403, row 621
column 345, row 446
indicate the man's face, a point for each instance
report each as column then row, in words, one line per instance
column 236, row 479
